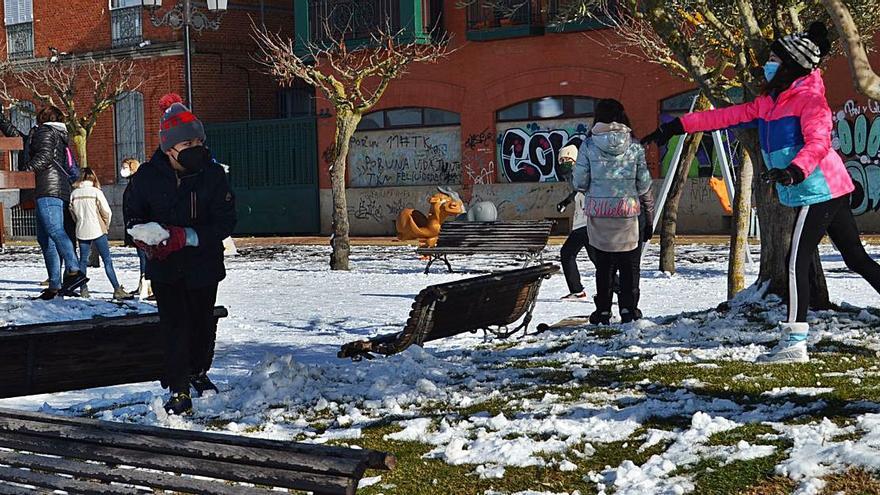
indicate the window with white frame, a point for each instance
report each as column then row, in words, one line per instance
column 126, row 27
column 128, row 115
column 19, row 17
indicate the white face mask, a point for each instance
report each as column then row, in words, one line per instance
column 125, row 172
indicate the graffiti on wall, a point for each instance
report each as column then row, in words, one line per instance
column 409, row 157
column 856, row 137
column 528, row 153
column 382, row 205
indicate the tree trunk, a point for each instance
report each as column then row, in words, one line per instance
column 739, row 236
column 865, row 80
column 777, row 223
column 346, row 123
column 80, row 141
column 669, row 221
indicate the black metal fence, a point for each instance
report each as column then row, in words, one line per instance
column 24, row 222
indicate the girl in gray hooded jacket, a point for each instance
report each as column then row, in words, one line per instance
column 612, row 170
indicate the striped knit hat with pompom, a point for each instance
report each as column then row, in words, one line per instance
column 804, row 50
column 178, row 124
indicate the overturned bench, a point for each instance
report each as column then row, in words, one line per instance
column 74, row 355
column 80, row 455
column 490, row 302
column 520, row 238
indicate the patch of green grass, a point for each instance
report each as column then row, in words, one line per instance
column 750, row 433
column 415, row 475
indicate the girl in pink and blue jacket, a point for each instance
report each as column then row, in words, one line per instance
column 794, row 125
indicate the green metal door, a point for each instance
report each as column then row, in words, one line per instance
column 273, row 169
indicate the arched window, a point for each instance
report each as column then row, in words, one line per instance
column 548, row 107
column 23, row 117
column 128, row 117
column 408, row 117
column 411, row 146
column 531, row 133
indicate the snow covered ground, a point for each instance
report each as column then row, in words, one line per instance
column 545, row 401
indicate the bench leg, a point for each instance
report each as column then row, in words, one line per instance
column 448, row 266
column 434, row 258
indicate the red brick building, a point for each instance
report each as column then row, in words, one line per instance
column 487, row 120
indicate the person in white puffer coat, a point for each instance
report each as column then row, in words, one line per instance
column 91, row 211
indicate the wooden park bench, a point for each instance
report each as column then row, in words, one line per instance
column 74, row 355
column 520, row 237
column 80, row 456
column 489, row 302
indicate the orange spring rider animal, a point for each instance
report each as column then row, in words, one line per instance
column 413, row 224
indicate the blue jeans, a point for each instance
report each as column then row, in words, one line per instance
column 53, row 239
column 103, row 247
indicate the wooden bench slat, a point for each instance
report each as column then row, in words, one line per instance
column 374, row 459
column 318, row 483
column 57, row 482
column 7, row 488
column 103, row 472
column 196, row 449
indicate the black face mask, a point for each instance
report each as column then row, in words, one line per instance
column 194, row 159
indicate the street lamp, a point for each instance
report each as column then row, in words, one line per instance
column 183, row 15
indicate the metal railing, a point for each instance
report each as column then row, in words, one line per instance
column 24, row 222
column 126, row 26
column 20, row 41
column 503, row 13
column 351, row 19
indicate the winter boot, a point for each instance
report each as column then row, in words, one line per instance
column 179, row 404
column 629, row 316
column 600, row 318
column 73, row 281
column 84, row 292
column 120, row 294
column 44, row 283
column 201, row 383
column 48, row 294
column 792, row 346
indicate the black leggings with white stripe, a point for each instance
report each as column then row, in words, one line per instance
column 814, row 221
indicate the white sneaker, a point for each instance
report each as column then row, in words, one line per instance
column 786, row 352
column 792, row 346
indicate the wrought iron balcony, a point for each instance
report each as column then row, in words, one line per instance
column 20, row 41
column 351, row 19
column 320, row 22
column 126, row 26
column 511, row 18
column 484, row 15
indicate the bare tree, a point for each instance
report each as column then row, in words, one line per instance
column 98, row 84
column 354, row 81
